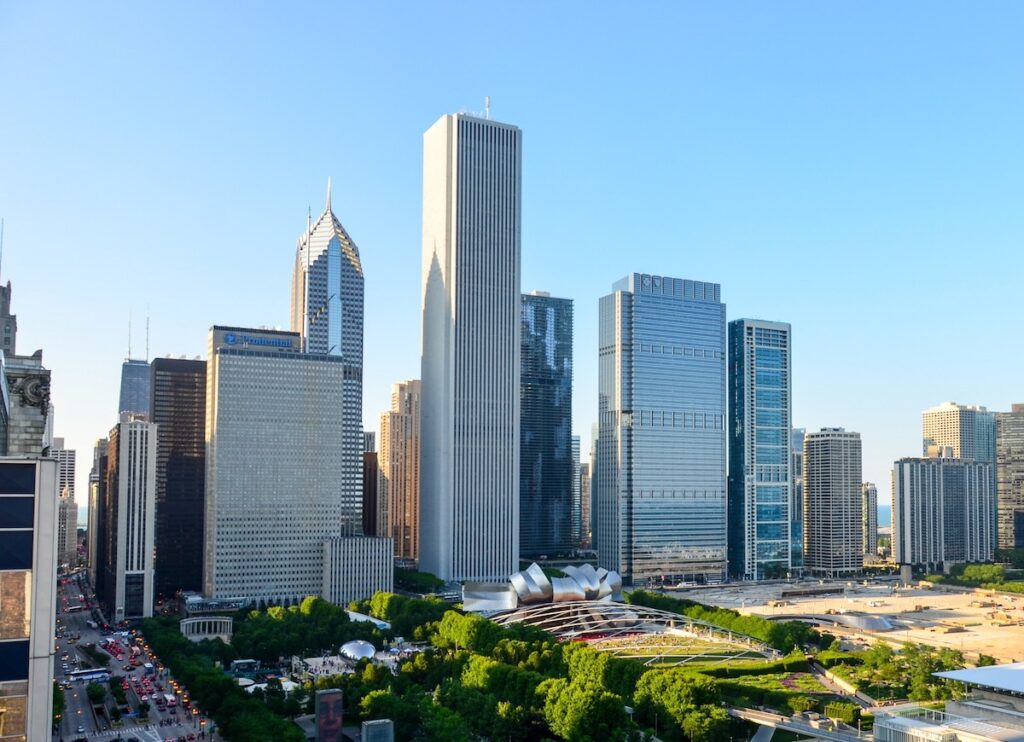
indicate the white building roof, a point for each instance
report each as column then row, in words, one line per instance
column 1009, row 678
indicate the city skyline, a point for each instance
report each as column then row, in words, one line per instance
column 857, row 362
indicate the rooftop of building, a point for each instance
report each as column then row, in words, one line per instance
column 1007, row 678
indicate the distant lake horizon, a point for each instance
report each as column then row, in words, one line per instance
column 884, row 516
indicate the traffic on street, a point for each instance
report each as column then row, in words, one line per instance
column 131, row 698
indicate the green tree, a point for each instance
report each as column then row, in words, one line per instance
column 985, row 660
column 144, row 708
column 96, row 693
column 706, row 724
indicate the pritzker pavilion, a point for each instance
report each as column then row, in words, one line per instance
column 587, row 605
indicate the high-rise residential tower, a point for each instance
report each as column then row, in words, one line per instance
column 968, row 430
column 585, row 520
column 1010, row 477
column 869, row 519
column 472, row 205
column 796, row 504
column 577, row 505
column 178, row 407
column 375, row 508
column 833, row 536
column 760, row 415
column 546, row 463
column 942, row 511
column 659, row 495
column 130, row 511
column 134, row 398
column 399, row 460
column 327, row 312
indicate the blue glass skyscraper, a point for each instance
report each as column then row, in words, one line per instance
column 546, row 463
column 659, row 493
column 760, row 415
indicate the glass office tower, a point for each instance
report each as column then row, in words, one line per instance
column 659, row 502
column 760, row 394
column 134, row 397
column 178, row 407
column 546, row 462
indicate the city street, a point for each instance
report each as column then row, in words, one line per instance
column 79, row 720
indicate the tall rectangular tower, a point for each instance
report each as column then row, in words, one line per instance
column 760, row 420
column 969, row 430
column 833, row 536
column 178, row 407
column 399, row 460
column 133, row 402
column 472, row 206
column 130, row 512
column 869, row 519
column 796, row 503
column 659, row 495
column 274, row 458
column 942, row 511
column 1010, row 477
column 546, row 461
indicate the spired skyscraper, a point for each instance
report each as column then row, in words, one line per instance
column 760, row 396
column 546, row 463
column 327, row 311
column 472, row 207
column 659, row 493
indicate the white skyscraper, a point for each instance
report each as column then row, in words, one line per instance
column 327, row 312
column 469, row 520
column 131, row 518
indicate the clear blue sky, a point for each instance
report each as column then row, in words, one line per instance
column 854, row 169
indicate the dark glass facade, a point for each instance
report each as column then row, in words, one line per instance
column 371, row 470
column 178, row 406
column 545, row 427
column 135, row 393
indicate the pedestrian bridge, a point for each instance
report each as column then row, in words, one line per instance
column 208, row 627
column 798, row 725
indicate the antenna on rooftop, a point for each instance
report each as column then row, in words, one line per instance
column 1, row 241
column 147, row 334
column 487, row 107
column 129, row 336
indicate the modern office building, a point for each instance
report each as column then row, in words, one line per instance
column 8, row 323
column 472, row 213
column 869, row 518
column 67, row 530
column 134, row 399
column 546, row 464
column 796, row 504
column 1010, row 477
column 942, row 511
column 95, row 540
column 375, row 509
column 342, row 582
column 760, row 426
column 327, row 312
column 399, row 460
column 28, row 595
column 585, row 519
column 130, row 520
column 660, row 492
column 276, row 458
column 178, row 406
column 833, row 536
column 577, row 505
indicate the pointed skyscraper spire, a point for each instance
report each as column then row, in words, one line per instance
column 329, row 194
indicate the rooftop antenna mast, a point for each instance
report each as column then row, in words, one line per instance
column 147, row 334
column 129, row 337
column 487, row 107
column 1, row 241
